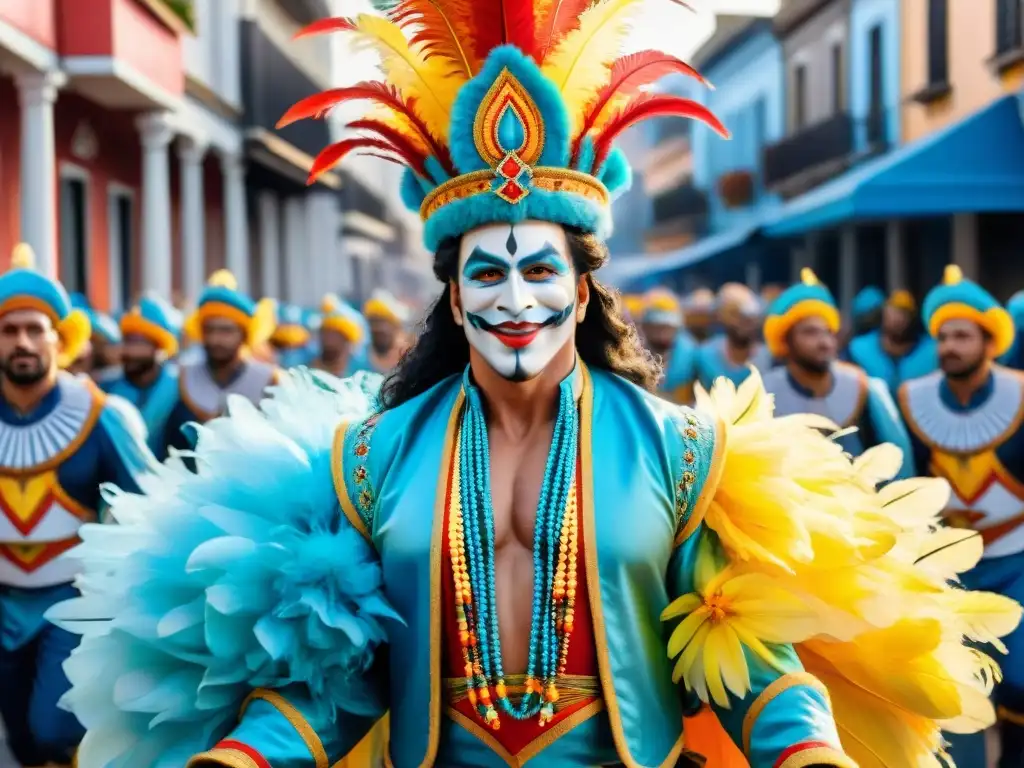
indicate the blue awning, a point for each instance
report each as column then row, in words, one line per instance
column 624, row 270
column 976, row 165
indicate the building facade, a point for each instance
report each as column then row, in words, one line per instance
column 86, row 85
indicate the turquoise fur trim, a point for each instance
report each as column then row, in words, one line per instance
column 543, row 92
column 437, row 173
column 566, row 208
column 412, row 190
column 964, row 292
column 616, row 174
column 1015, row 306
column 797, row 294
column 223, row 295
column 25, row 282
column 585, row 162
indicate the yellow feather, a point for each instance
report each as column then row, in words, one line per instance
column 915, row 503
column 984, row 616
column 223, row 278
column 400, row 123
column 580, row 64
column 948, row 552
column 23, row 257
column 878, row 464
column 432, row 84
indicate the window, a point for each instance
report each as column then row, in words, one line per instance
column 74, row 229
column 799, row 97
column 836, row 60
column 1009, row 26
column 938, row 42
column 121, row 206
column 876, row 97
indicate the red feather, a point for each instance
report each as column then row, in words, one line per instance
column 441, row 28
column 378, row 93
column 326, row 26
column 402, row 147
column 644, row 107
column 562, row 18
column 336, row 152
column 628, row 75
column 504, row 22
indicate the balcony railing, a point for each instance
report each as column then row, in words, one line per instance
column 682, row 202
column 826, row 142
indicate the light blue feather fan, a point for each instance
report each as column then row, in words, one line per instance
column 218, row 582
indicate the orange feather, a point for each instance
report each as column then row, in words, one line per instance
column 335, row 153
column 401, row 145
column 644, row 107
column 378, row 93
column 443, row 30
column 558, row 20
column 326, row 26
column 628, row 75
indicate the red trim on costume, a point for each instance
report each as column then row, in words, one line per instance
column 798, row 748
column 245, row 749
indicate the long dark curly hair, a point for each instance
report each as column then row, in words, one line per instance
column 603, row 340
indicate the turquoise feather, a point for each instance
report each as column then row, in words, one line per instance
column 244, row 575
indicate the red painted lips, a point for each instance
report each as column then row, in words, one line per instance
column 516, row 335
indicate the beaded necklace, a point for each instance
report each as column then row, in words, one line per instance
column 555, row 546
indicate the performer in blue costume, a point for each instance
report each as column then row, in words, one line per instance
column 802, row 329
column 343, row 333
column 230, row 325
column 867, row 309
column 731, row 353
column 291, row 337
column 965, row 421
column 150, row 381
column 101, row 358
column 899, row 350
column 59, row 441
column 661, row 325
column 386, row 317
column 497, row 547
column 1014, row 358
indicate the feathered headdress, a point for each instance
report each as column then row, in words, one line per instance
column 502, row 110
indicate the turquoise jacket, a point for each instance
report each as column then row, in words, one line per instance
column 155, row 403
column 867, row 352
column 638, row 453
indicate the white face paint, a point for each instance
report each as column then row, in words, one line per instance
column 518, row 289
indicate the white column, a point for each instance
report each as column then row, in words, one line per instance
column 191, row 152
column 37, row 92
column 965, row 244
column 236, row 223
column 295, row 250
column 847, row 268
column 895, row 257
column 312, row 264
column 156, row 203
column 270, row 243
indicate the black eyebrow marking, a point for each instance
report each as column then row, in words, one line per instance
column 511, row 245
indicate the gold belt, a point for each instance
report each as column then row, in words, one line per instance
column 572, row 689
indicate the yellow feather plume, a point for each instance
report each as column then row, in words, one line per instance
column 23, row 257
column 861, row 581
column 223, row 278
column 580, row 64
column 432, row 84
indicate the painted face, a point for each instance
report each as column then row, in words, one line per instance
column 518, row 289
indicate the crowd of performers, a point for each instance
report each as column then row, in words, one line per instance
column 85, row 400
column 514, row 550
